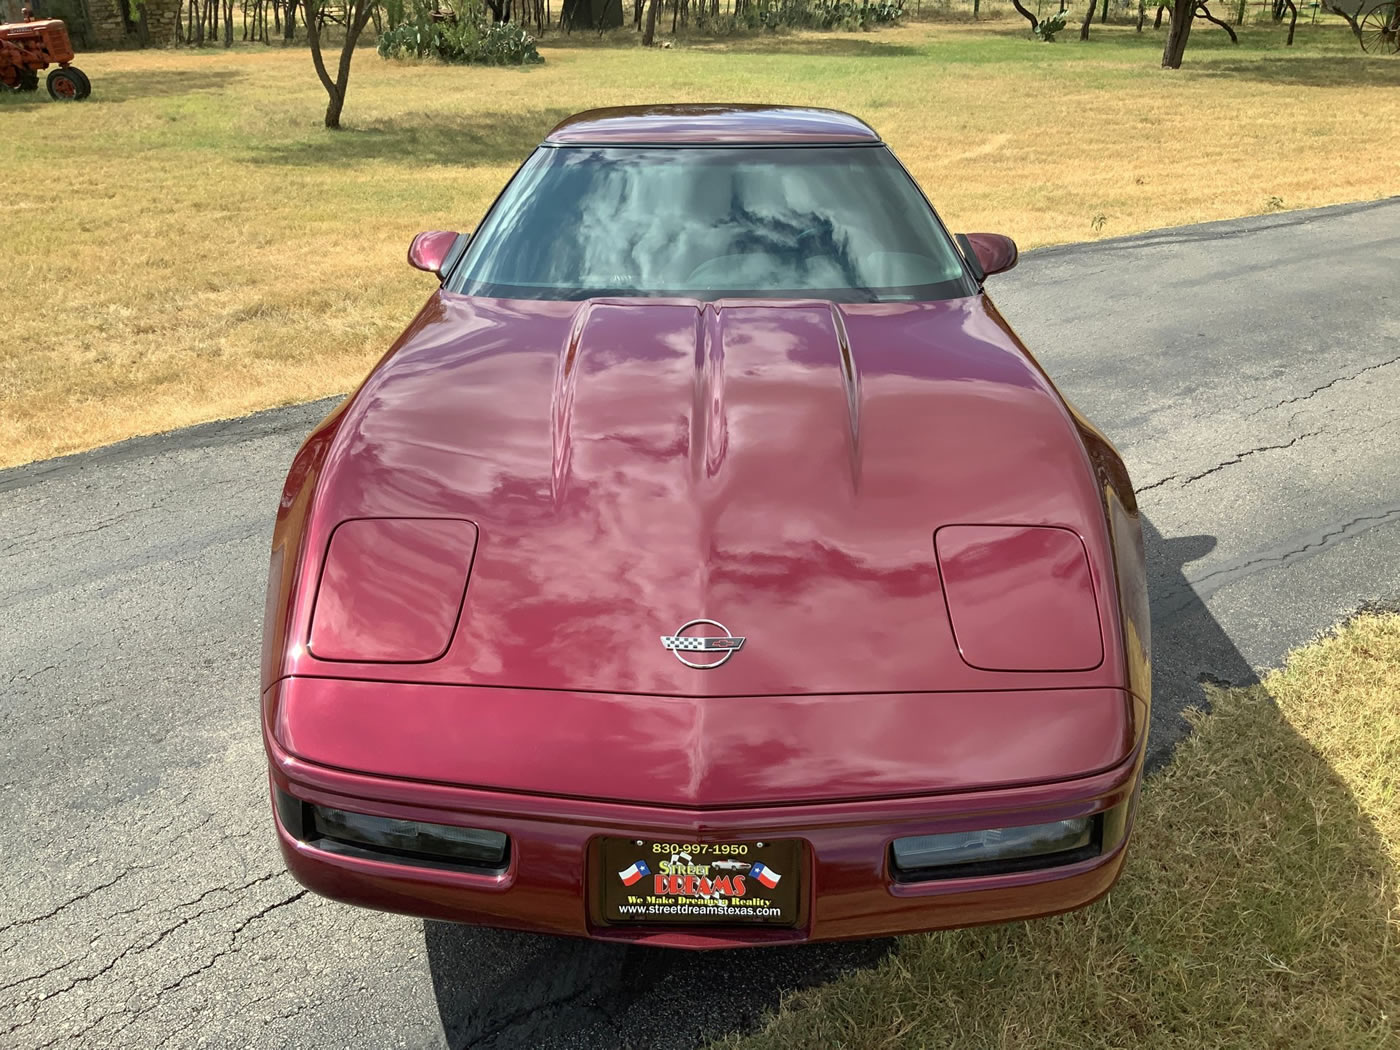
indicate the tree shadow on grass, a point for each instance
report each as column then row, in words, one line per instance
column 456, row 139
column 1313, row 70
column 127, row 87
column 824, row 47
column 762, row 42
column 497, row 989
column 23, row 99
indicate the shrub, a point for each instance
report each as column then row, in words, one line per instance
column 1048, row 27
column 460, row 38
column 801, row 14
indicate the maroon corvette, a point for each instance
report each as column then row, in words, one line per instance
column 708, row 564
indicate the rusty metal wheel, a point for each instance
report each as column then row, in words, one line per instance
column 1380, row 30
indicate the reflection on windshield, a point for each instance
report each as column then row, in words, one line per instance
column 841, row 222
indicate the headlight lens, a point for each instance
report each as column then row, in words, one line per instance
column 446, row 842
column 958, row 849
column 391, row 589
column 1020, row 597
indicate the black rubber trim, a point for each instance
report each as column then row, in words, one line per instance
column 804, row 144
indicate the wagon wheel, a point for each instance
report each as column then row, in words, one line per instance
column 64, row 86
column 1379, row 34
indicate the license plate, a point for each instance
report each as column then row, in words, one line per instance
column 654, row 881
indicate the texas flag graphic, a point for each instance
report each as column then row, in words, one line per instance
column 634, row 873
column 764, row 874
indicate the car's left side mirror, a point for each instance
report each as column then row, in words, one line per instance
column 436, row 250
column 988, row 252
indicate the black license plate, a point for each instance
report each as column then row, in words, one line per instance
column 656, row 881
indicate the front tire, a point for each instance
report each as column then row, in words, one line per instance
column 83, row 78
column 64, row 86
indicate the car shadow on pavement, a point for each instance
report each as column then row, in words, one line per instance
column 1189, row 646
column 498, row 990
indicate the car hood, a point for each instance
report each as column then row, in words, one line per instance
column 778, row 467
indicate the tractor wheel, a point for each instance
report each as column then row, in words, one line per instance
column 87, row 84
column 64, row 86
column 28, row 80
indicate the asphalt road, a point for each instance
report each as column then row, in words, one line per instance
column 1249, row 371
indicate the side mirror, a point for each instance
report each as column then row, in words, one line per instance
column 988, row 252
column 435, row 251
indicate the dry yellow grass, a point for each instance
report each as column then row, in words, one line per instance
column 191, row 244
column 1260, row 908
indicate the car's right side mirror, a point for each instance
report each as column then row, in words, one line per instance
column 989, row 253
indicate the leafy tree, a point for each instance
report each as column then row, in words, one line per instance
column 357, row 15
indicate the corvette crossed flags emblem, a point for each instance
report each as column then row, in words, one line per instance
column 724, row 643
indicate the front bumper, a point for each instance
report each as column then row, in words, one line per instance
column 850, row 891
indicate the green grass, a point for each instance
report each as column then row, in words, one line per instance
column 191, row 244
column 1260, row 907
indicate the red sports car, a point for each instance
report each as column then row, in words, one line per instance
column 707, row 564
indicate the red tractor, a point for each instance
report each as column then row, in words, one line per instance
column 34, row 44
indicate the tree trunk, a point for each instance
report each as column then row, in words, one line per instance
column 1020, row 10
column 1157, row 24
column 1293, row 24
column 1204, row 12
column 1142, row 14
column 1351, row 19
column 650, row 34
column 1183, row 14
column 1088, row 17
column 357, row 14
column 1103, row 18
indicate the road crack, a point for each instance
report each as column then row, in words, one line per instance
column 1325, row 386
column 1329, row 537
column 72, row 900
column 1238, row 457
column 136, row 949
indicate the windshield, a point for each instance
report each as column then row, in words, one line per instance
column 837, row 222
